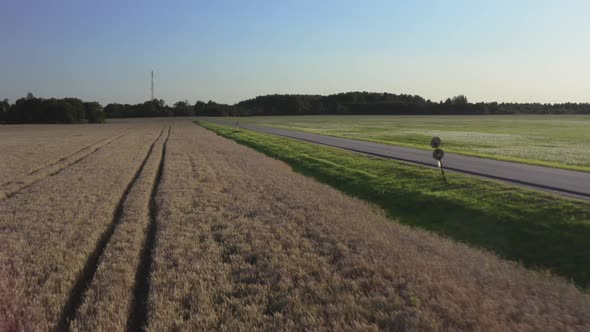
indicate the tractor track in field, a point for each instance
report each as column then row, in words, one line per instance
column 27, row 181
column 87, row 155
column 86, row 275
column 89, row 146
column 139, row 309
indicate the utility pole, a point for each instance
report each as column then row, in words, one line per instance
column 153, row 97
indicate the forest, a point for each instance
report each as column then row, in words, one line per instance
column 369, row 103
column 31, row 109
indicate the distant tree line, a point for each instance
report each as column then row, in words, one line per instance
column 71, row 110
column 157, row 108
column 151, row 108
column 365, row 103
column 30, row 109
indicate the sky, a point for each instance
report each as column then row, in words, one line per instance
column 227, row 51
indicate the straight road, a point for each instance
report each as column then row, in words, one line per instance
column 563, row 182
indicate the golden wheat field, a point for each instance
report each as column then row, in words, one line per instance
column 162, row 225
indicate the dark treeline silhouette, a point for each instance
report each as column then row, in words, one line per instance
column 181, row 108
column 214, row 109
column 30, row 109
column 151, row 108
column 386, row 103
column 70, row 110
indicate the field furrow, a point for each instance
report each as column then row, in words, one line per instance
column 138, row 317
column 102, row 295
column 50, row 230
column 245, row 243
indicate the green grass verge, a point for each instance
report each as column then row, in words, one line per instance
column 480, row 155
column 539, row 230
column 561, row 141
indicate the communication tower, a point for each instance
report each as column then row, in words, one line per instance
column 153, row 97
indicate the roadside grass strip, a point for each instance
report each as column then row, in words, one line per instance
column 560, row 141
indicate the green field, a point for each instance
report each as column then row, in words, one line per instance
column 551, row 140
column 540, row 230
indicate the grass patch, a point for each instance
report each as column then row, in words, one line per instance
column 561, row 141
column 539, row 230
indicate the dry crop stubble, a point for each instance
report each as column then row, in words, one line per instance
column 245, row 243
column 25, row 149
column 242, row 242
column 49, row 230
column 11, row 188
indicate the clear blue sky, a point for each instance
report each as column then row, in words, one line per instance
column 232, row 50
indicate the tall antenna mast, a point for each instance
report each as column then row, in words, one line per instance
column 153, row 85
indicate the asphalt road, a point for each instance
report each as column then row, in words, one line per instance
column 563, row 182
